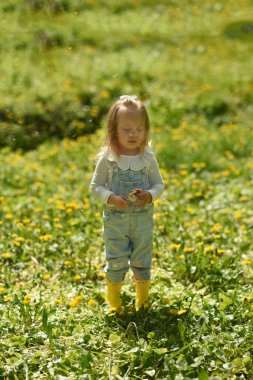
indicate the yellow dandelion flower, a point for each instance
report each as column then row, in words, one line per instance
column 217, row 236
column 238, row 214
column 60, row 206
column 220, row 251
column 45, row 237
column 181, row 311
column 181, row 257
column 91, row 302
column 9, row 216
column 183, row 172
column 77, row 277
column 7, row 299
column 2, row 290
column 190, row 210
column 189, row 249
column 7, row 255
column 75, row 302
column 247, row 262
column 46, row 276
column 175, row 246
column 27, row 299
column 101, row 275
column 176, row 136
column 74, row 205
column 104, row 94
column 85, row 205
column 197, row 165
column 20, row 238
column 216, row 227
column 209, row 248
column 58, row 301
column 67, row 263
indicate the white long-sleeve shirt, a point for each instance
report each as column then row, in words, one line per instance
column 101, row 180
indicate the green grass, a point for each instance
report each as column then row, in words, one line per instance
column 199, row 324
column 61, row 69
column 197, row 84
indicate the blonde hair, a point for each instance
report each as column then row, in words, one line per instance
column 132, row 103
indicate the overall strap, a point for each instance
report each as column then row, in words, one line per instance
column 112, row 168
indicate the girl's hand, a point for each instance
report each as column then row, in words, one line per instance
column 143, row 198
column 118, row 201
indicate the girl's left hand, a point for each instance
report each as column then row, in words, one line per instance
column 143, row 198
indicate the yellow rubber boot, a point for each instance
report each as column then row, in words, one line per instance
column 113, row 294
column 142, row 293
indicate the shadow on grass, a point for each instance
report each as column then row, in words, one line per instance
column 152, row 338
column 153, row 322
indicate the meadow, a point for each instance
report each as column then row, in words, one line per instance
column 64, row 61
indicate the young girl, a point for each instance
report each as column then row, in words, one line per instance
column 127, row 180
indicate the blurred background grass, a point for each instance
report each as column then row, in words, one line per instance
column 64, row 62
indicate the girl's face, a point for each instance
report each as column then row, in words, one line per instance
column 131, row 131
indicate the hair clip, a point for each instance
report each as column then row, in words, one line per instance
column 128, row 97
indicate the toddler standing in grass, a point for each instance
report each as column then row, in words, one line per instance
column 127, row 180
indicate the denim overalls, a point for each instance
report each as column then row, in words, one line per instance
column 128, row 232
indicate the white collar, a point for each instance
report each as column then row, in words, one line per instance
column 136, row 162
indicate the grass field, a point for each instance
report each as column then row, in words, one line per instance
column 63, row 64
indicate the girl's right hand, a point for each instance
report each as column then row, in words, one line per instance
column 118, row 201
